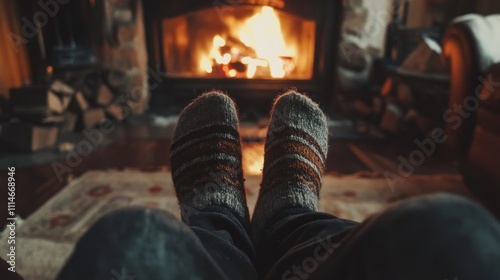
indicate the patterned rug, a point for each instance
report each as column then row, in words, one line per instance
column 46, row 239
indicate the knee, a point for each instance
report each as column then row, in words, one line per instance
column 433, row 235
column 137, row 219
column 440, row 207
column 441, row 214
column 123, row 237
column 437, row 203
column 129, row 226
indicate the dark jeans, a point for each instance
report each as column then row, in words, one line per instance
column 433, row 237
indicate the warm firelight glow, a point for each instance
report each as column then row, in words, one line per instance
column 253, row 158
column 259, row 51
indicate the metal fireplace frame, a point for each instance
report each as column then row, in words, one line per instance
column 326, row 14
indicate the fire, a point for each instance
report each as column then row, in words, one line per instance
column 253, row 158
column 258, row 50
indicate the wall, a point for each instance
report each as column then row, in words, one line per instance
column 362, row 39
column 418, row 15
column 427, row 12
column 488, row 7
column 365, row 22
column 124, row 48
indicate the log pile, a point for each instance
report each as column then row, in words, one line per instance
column 39, row 115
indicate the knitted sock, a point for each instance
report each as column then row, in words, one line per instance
column 206, row 157
column 295, row 153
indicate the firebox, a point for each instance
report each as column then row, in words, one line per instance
column 252, row 48
column 251, row 42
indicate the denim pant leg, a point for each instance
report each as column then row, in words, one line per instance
column 294, row 234
column 140, row 243
column 438, row 237
column 226, row 239
column 433, row 237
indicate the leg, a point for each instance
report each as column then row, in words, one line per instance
column 286, row 219
column 140, row 243
column 208, row 179
column 426, row 238
column 206, row 169
column 433, row 237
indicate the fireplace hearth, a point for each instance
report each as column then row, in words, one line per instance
column 251, row 49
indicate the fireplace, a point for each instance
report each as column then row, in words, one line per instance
column 251, row 42
column 252, row 49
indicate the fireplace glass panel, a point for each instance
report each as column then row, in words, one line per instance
column 246, row 42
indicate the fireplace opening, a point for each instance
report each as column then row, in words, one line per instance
column 250, row 49
column 252, row 42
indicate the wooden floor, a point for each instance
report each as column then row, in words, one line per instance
column 35, row 185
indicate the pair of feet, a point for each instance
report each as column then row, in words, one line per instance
column 206, row 158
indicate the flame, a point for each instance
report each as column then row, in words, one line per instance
column 206, row 64
column 219, row 41
column 261, row 49
column 253, row 158
column 262, row 32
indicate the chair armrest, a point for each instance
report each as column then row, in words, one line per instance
column 470, row 46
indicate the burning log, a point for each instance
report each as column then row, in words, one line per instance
column 242, row 49
column 238, row 66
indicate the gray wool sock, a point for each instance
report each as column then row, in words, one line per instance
column 295, row 154
column 206, row 157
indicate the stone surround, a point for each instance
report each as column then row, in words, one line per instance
column 124, row 49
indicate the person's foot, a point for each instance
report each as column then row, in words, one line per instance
column 295, row 153
column 206, row 157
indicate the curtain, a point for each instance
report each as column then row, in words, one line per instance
column 14, row 67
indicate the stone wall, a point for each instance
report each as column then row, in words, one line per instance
column 124, row 49
column 362, row 39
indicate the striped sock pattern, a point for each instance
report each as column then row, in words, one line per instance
column 295, row 154
column 206, row 157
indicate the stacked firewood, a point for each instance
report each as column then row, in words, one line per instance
column 41, row 114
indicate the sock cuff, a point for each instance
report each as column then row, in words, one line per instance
column 278, row 198
column 230, row 197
